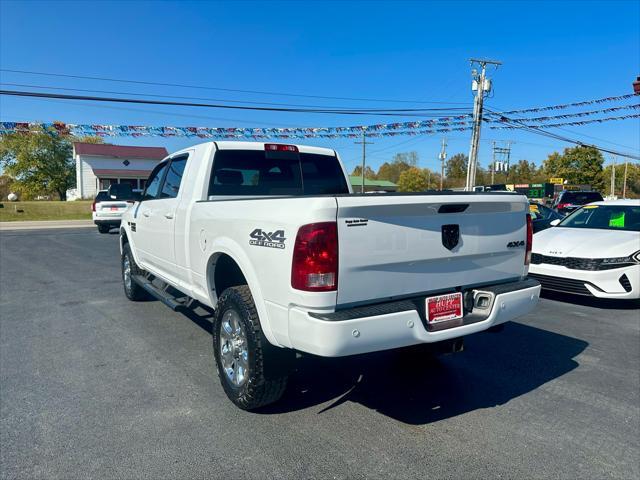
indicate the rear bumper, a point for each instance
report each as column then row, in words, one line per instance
column 107, row 221
column 400, row 324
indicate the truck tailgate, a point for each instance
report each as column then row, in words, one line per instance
column 391, row 246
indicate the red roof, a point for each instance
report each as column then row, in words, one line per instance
column 120, row 151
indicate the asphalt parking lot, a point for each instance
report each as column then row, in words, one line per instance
column 95, row 386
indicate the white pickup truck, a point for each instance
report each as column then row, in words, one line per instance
column 272, row 238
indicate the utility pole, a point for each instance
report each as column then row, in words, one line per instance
column 364, row 154
column 613, row 177
column 624, row 183
column 443, row 156
column 482, row 85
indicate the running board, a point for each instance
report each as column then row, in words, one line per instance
column 165, row 297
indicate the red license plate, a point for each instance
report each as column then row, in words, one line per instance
column 114, row 208
column 445, row 307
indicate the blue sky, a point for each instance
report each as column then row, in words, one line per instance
column 553, row 52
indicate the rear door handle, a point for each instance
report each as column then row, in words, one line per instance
column 146, row 213
column 168, row 216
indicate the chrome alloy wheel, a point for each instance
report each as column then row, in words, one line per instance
column 126, row 272
column 234, row 353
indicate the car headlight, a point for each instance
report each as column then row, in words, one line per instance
column 634, row 258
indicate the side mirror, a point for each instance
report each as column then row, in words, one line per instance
column 555, row 222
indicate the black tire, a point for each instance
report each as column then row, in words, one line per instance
column 265, row 379
column 132, row 290
column 104, row 228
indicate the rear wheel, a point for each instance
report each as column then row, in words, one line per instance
column 132, row 290
column 104, row 228
column 253, row 373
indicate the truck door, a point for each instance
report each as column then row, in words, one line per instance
column 155, row 220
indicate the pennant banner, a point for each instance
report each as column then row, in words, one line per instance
column 570, row 105
column 569, row 115
column 564, row 124
column 439, row 125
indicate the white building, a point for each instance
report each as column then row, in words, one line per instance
column 100, row 165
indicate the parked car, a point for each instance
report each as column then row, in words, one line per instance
column 109, row 205
column 594, row 251
column 542, row 216
column 273, row 239
column 567, row 201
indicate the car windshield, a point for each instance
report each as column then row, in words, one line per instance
column 605, row 217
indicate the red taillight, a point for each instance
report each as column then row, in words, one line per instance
column 315, row 258
column 278, row 147
column 563, row 205
column 93, row 206
column 527, row 253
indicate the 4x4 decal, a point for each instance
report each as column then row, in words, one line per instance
column 261, row 238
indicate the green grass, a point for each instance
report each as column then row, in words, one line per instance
column 44, row 210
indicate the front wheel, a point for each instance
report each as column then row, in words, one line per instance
column 253, row 373
column 132, row 290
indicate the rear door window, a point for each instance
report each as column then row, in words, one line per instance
column 257, row 173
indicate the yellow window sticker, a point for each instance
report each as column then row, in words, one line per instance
column 589, row 207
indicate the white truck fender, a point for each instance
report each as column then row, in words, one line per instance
column 225, row 245
column 127, row 231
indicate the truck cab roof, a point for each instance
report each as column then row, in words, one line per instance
column 239, row 145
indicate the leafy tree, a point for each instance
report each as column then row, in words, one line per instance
column 40, row 162
column 523, row 172
column 413, row 180
column 368, row 172
column 456, row 168
column 89, row 139
column 633, row 179
column 5, row 186
column 410, row 158
column 391, row 171
column 577, row 165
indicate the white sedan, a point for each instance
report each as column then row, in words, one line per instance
column 594, row 251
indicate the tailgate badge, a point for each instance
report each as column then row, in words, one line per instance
column 450, row 236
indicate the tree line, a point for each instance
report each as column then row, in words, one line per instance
column 581, row 165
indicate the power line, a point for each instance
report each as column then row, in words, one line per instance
column 20, row 93
column 201, row 87
column 166, row 114
column 232, row 101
